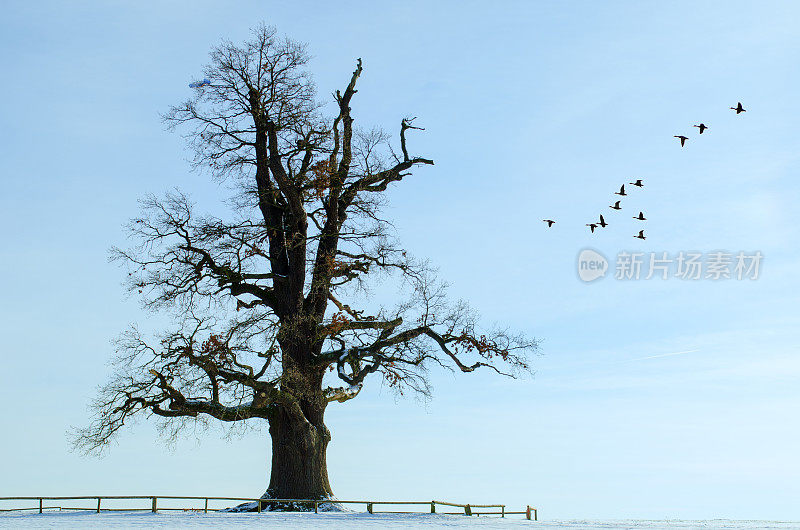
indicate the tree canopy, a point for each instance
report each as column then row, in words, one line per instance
column 270, row 299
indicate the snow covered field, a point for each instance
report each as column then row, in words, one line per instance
column 346, row 521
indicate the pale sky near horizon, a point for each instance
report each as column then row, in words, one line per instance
column 651, row 398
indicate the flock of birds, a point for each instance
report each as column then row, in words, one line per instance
column 639, row 184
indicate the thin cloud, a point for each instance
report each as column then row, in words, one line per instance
column 660, row 355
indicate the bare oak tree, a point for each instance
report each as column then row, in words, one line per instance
column 265, row 303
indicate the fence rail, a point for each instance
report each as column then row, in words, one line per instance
column 261, row 504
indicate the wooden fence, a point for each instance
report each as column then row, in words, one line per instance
column 97, row 505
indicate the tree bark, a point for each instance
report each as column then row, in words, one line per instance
column 299, row 467
column 299, row 437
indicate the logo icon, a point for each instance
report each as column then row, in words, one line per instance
column 591, row 265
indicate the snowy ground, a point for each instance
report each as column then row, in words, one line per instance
column 345, row 521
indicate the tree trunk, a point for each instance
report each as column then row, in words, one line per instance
column 299, row 468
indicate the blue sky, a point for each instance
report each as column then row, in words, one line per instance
column 531, row 110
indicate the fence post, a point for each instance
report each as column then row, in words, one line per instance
column 503, row 510
column 369, row 507
column 98, row 504
column 535, row 514
column 40, row 505
column 259, row 505
column 205, row 508
column 467, row 510
column 433, row 506
column 316, row 506
column 155, row 505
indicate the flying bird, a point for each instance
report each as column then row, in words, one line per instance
column 738, row 108
column 603, row 222
column 592, row 226
column 615, row 206
column 621, row 191
column 637, row 183
column 682, row 138
column 549, row 222
column 640, row 217
column 702, row 127
column 641, row 235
